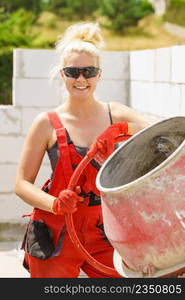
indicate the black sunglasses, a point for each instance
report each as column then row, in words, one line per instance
column 87, row 72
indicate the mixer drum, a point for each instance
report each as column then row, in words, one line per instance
column 142, row 187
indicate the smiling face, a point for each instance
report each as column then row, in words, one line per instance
column 81, row 87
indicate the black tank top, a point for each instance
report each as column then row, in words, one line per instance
column 53, row 152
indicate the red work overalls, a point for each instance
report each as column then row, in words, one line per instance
column 66, row 262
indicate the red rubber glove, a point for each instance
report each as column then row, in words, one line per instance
column 67, row 202
column 104, row 145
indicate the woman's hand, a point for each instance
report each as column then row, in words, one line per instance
column 66, row 202
column 103, row 147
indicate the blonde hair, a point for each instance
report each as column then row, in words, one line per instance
column 82, row 37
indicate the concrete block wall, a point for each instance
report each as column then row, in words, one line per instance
column 157, row 81
column 32, row 94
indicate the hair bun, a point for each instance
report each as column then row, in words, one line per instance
column 87, row 32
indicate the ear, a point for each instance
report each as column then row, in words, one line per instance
column 100, row 73
column 62, row 73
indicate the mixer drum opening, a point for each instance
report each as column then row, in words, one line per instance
column 143, row 153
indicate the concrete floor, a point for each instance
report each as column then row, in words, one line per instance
column 11, row 264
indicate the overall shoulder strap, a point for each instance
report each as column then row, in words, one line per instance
column 55, row 120
column 62, row 145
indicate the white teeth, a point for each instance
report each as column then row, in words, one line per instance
column 80, row 87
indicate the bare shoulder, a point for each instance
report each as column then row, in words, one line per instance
column 124, row 113
column 41, row 121
column 119, row 111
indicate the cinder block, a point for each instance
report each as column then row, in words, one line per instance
column 159, row 99
column 162, row 66
column 142, row 96
column 33, row 63
column 35, row 92
column 136, row 88
column 12, row 208
column 10, row 120
column 113, row 90
column 10, row 149
column 7, row 182
column 142, row 65
column 173, row 101
column 178, row 64
column 115, row 65
column 29, row 114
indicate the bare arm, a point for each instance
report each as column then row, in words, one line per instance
column 32, row 154
column 136, row 121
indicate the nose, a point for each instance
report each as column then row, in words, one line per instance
column 81, row 77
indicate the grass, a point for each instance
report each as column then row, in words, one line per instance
column 149, row 34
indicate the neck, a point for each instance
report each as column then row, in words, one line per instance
column 78, row 107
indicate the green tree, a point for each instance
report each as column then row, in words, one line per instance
column 124, row 13
column 13, row 5
column 15, row 31
column 72, row 9
column 15, row 28
column 6, row 67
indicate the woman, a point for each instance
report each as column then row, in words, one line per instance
column 66, row 134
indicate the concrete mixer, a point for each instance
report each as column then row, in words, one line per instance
column 142, row 187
